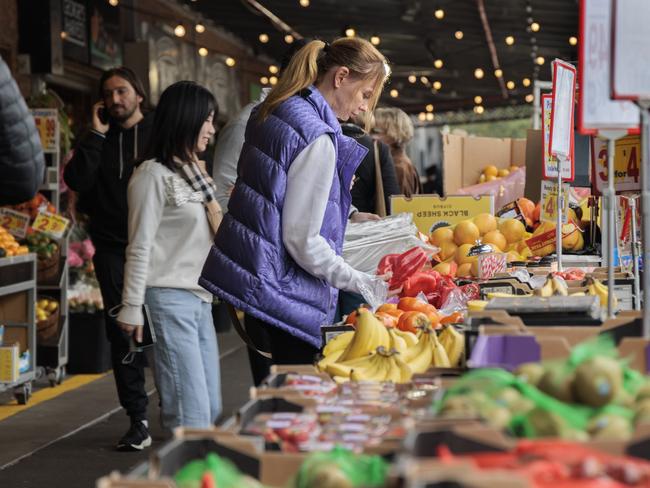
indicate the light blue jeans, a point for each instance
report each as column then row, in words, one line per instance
column 186, row 357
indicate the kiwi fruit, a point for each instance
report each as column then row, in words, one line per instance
column 557, row 382
column 643, row 393
column 547, row 424
column 531, row 373
column 498, row 417
column 642, row 412
column 459, row 406
column 609, row 427
column 598, row 381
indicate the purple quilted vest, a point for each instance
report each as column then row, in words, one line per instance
column 248, row 265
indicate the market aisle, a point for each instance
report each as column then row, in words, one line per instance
column 72, row 436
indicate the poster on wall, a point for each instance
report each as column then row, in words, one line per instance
column 105, row 38
column 75, row 30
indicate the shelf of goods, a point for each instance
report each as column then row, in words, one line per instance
column 18, row 290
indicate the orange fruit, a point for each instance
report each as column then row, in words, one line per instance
column 466, row 232
column 447, row 251
column 527, row 207
column 512, row 229
column 495, row 237
column 503, row 172
column 461, row 254
column 464, row 270
column 490, row 178
column 485, row 222
column 441, row 235
column 490, row 170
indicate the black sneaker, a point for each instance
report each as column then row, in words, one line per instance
column 136, row 438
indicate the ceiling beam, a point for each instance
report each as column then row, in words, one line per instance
column 490, row 41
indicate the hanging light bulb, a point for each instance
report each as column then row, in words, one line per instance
column 288, row 39
column 273, row 80
column 478, row 73
column 114, row 3
column 437, row 85
column 510, row 40
column 439, row 14
column 479, row 109
column 422, row 116
column 429, row 107
column 350, row 32
column 394, row 93
column 203, row 52
column 413, row 78
column 304, row 3
column 498, row 72
column 478, row 99
column 424, row 80
column 273, row 69
column 264, row 38
column 429, row 117
column 540, row 60
column 199, row 28
column 530, row 98
column 179, row 30
column 230, row 62
column 573, row 40
column 525, row 82
column 438, row 63
column 535, row 27
column 64, row 35
column 264, row 80
column 375, row 40
column 510, row 85
column 459, row 34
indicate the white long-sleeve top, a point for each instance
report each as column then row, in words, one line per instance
column 309, row 181
column 169, row 238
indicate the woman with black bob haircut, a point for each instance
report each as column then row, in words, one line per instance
column 173, row 216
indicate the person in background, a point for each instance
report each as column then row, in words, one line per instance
column 224, row 171
column 277, row 253
column 173, row 214
column 99, row 171
column 395, row 128
column 22, row 164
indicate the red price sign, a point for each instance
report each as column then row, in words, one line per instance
column 16, row 223
column 47, row 124
column 51, row 224
column 627, row 164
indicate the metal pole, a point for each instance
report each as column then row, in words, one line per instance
column 645, row 195
column 558, row 220
column 635, row 257
column 611, row 224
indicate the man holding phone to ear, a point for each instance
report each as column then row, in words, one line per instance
column 99, row 171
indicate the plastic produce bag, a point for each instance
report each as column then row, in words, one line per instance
column 340, row 468
column 367, row 242
column 505, row 190
column 222, row 471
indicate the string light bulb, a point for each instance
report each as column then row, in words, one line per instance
column 459, row 34
column 429, row 107
column 199, row 28
column 375, row 40
column 394, row 93
column 525, row 82
column 273, row 69
column 438, row 63
column 439, row 14
column 479, row 109
column 429, row 117
column 114, row 3
column 273, row 80
column 573, row 40
column 422, row 116
column 424, row 80
column 540, row 60
column 288, row 39
column 478, row 73
column 535, row 27
column 478, row 99
column 530, row 98
column 510, row 85
column 510, row 40
column 179, row 30
column 350, row 32
column 264, row 38
column 498, row 72
column 304, row 3
column 64, row 35
column 230, row 62
column 264, row 80
column 437, row 85
column 203, row 52
column 413, row 78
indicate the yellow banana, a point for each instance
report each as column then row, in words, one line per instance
column 454, row 344
column 338, row 343
column 332, row 358
column 410, row 338
column 578, row 294
column 375, row 372
column 603, row 293
column 393, row 373
column 546, row 290
column 404, row 369
column 397, row 342
column 440, row 358
column 476, row 305
column 559, row 287
column 421, row 356
column 340, row 379
column 370, row 333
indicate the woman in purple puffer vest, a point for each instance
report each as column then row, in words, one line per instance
column 277, row 253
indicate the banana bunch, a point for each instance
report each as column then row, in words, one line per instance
column 370, row 334
column 596, row 288
column 553, row 286
column 426, row 353
column 454, row 344
column 382, row 366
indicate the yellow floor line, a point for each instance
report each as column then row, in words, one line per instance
column 72, row 383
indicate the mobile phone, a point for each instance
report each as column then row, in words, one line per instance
column 148, row 334
column 102, row 114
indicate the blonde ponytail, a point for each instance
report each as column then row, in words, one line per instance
column 301, row 72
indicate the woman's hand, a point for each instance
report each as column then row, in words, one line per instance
column 132, row 330
column 357, row 217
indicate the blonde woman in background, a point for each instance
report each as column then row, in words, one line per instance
column 394, row 128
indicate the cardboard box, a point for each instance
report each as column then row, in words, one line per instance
column 9, row 363
column 465, row 157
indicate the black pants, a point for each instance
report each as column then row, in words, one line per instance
column 258, row 332
column 284, row 347
column 129, row 378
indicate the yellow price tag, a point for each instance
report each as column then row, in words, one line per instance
column 51, row 224
column 549, row 202
column 16, row 223
column 627, row 164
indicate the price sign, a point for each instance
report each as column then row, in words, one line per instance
column 627, row 164
column 549, row 169
column 549, row 201
column 596, row 109
column 15, row 222
column 561, row 137
column 51, row 224
column 46, row 120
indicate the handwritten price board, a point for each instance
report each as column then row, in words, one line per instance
column 46, row 120
column 549, row 201
column 627, row 164
column 16, row 223
column 51, row 224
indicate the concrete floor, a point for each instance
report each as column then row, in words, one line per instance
column 68, row 441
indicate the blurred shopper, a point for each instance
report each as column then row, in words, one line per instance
column 277, row 254
column 99, row 171
column 173, row 215
column 395, row 128
column 21, row 156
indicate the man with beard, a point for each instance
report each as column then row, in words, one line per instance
column 100, row 169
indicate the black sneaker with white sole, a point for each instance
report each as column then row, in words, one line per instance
column 136, row 438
